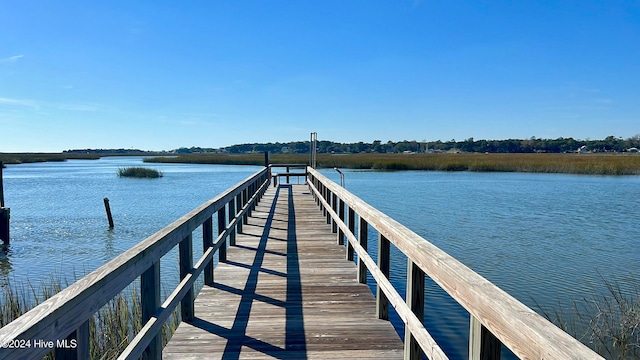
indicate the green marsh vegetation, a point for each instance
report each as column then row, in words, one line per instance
column 110, row 329
column 27, row 158
column 591, row 164
column 608, row 323
column 139, row 172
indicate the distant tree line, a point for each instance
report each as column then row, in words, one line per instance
column 532, row 145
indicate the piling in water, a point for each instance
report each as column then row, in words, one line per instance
column 108, row 209
column 4, row 212
column 4, row 225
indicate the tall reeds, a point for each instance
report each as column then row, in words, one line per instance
column 110, row 329
column 608, row 323
column 139, row 172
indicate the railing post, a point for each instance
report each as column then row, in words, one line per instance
column 232, row 215
column 81, row 350
column 352, row 229
column 245, row 217
column 328, row 198
column 363, row 237
column 288, row 175
column 222, row 224
column 150, row 302
column 382, row 303
column 334, row 205
column 207, row 242
column 239, row 202
column 185, row 251
column 341, row 215
column 483, row 345
column 415, row 302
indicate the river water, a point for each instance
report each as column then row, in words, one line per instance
column 543, row 238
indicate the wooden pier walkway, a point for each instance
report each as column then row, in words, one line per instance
column 285, row 292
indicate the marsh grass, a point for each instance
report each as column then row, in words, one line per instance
column 26, row 158
column 592, row 164
column 608, row 323
column 139, row 172
column 110, row 329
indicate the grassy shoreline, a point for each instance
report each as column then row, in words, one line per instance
column 27, row 158
column 110, row 329
column 590, row 164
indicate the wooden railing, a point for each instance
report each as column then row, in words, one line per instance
column 66, row 315
column 496, row 318
column 288, row 173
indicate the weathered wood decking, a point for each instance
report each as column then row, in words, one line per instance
column 285, row 292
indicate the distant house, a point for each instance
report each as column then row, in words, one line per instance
column 583, row 149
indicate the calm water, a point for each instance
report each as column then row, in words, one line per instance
column 537, row 236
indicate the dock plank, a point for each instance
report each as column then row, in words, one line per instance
column 286, row 292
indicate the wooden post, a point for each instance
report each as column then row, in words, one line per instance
column 150, row 303
column 239, row 203
column 341, row 215
column 5, row 216
column 483, row 345
column 5, row 213
column 232, row 215
column 288, row 175
column 266, row 159
column 222, row 224
column 363, row 237
column 352, row 229
column 382, row 303
column 328, row 197
column 185, row 251
column 245, row 217
column 207, row 242
column 1, row 186
column 107, row 207
column 334, row 205
column 69, row 351
column 415, row 302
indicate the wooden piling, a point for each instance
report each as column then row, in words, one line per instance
column 1, row 186
column 108, row 209
column 4, row 225
column 5, row 213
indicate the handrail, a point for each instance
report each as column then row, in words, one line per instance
column 509, row 322
column 288, row 174
column 67, row 314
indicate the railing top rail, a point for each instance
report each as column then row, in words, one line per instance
column 518, row 327
column 288, row 165
column 66, row 311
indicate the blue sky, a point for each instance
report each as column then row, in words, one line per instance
column 159, row 75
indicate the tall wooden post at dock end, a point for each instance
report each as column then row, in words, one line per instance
column 4, row 212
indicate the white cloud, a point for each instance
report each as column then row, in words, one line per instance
column 78, row 107
column 18, row 102
column 11, row 59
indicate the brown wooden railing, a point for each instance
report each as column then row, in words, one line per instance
column 496, row 317
column 67, row 314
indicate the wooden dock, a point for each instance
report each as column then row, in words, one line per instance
column 285, row 292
